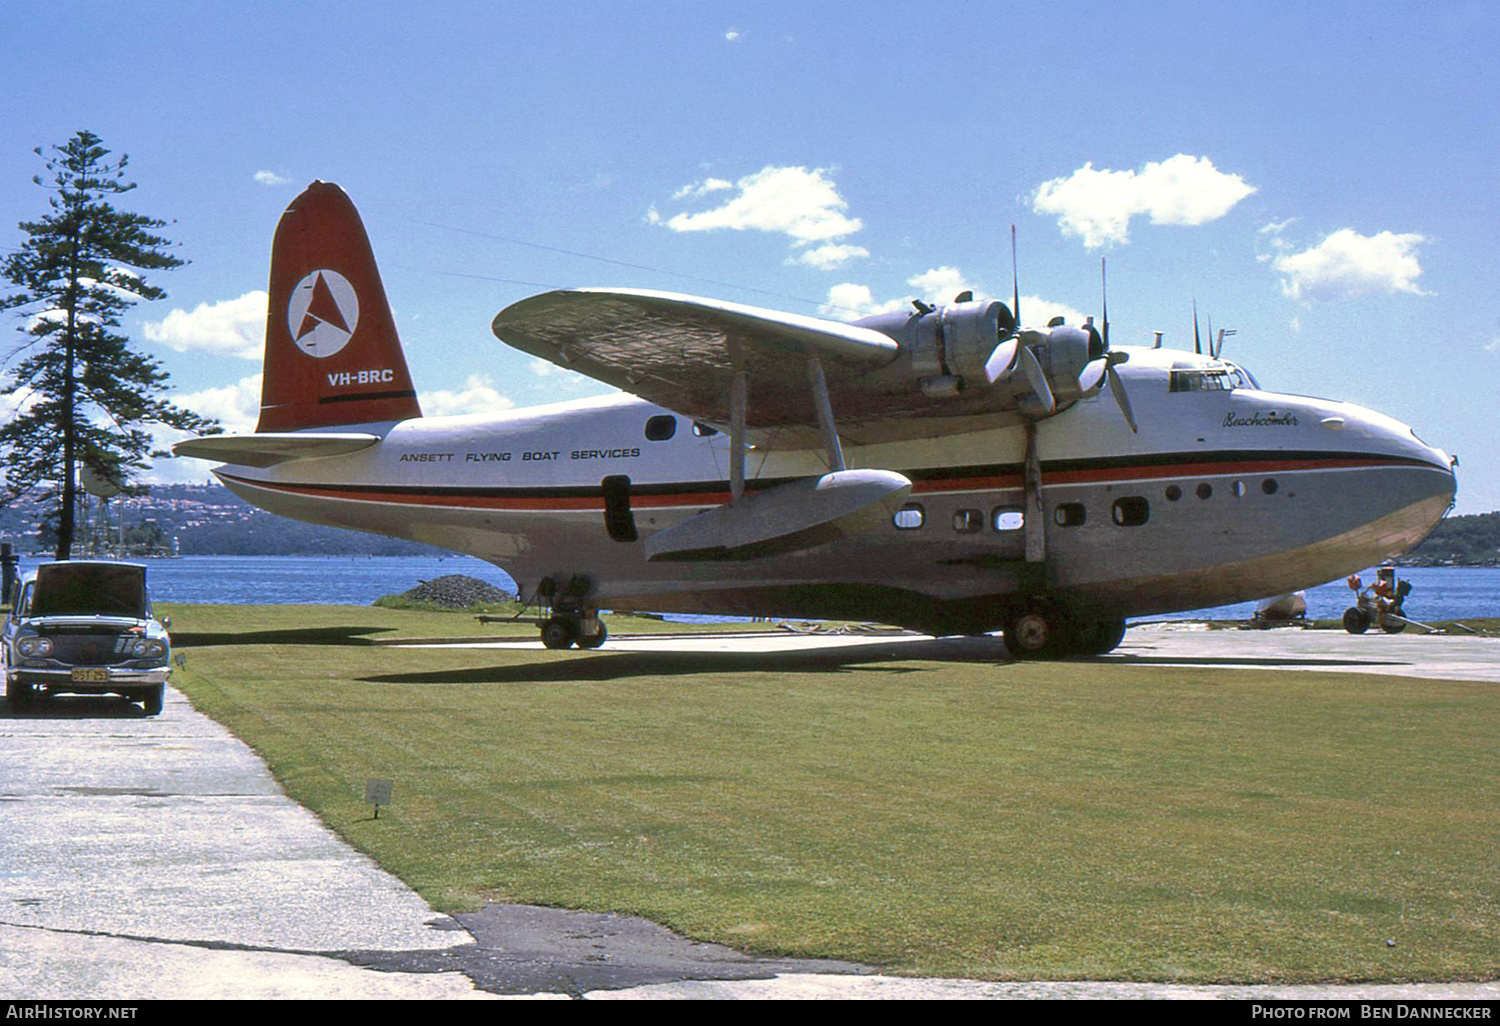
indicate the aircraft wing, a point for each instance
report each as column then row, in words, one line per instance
column 682, row 352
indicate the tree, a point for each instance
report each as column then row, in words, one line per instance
column 82, row 395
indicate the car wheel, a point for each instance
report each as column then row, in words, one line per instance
column 17, row 695
column 152, row 700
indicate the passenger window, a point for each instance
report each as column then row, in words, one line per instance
column 1008, row 518
column 659, row 429
column 1070, row 514
column 1131, row 511
column 968, row 521
column 909, row 518
column 703, row 430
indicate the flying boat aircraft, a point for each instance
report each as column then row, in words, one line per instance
column 945, row 469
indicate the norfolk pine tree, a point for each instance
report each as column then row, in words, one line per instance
column 81, row 395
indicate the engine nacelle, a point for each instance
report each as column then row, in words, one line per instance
column 1063, row 352
column 945, row 349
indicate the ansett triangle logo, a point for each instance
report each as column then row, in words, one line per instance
column 323, row 313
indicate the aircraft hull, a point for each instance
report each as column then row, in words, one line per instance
column 1269, row 521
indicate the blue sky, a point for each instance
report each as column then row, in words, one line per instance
column 1320, row 177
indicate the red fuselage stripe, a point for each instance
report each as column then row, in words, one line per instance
column 549, row 499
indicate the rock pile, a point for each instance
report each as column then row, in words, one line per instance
column 457, row 591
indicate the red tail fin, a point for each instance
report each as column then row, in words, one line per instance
column 332, row 353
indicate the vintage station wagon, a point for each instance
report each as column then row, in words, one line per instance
column 85, row 628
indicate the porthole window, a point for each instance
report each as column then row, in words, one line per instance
column 968, row 521
column 1008, row 518
column 1205, row 490
column 1173, row 493
column 659, row 429
column 1069, row 514
column 1269, row 486
column 1131, row 511
column 1239, row 489
column 909, row 518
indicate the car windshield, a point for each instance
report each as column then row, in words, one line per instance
column 89, row 589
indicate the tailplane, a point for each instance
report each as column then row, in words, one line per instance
column 332, row 353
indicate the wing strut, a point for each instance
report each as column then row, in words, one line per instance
column 825, row 413
column 737, row 437
column 1034, row 524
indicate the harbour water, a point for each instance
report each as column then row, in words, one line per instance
column 1438, row 593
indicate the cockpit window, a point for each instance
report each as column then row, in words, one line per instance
column 1239, row 377
column 1199, row 379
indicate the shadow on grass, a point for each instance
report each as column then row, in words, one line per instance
column 286, row 636
column 610, row 666
column 1228, row 662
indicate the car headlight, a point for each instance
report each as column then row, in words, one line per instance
column 146, row 648
column 33, row 647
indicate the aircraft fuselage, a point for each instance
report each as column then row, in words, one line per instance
column 1224, row 495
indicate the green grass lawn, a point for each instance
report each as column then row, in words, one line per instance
column 1030, row 821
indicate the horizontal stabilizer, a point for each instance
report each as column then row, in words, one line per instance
column 266, row 450
column 788, row 518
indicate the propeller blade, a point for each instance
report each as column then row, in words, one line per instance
column 1211, row 351
column 1104, row 297
column 1197, row 344
column 1038, row 379
column 1117, row 386
column 1015, row 279
column 1002, row 361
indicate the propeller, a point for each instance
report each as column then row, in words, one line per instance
column 1117, row 388
column 1038, row 378
column 1112, row 359
column 1197, row 345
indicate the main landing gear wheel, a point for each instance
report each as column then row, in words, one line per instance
column 559, row 633
column 1032, row 635
column 1043, row 633
column 1102, row 637
column 594, row 640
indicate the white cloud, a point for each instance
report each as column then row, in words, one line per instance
column 1493, row 346
column 829, row 256
column 732, row 35
column 938, row 286
column 702, row 188
column 803, row 204
column 232, row 327
column 1097, row 205
column 477, row 396
column 271, row 178
column 1036, row 312
column 236, row 407
column 1347, row 265
column 848, row 301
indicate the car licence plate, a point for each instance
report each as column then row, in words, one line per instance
column 90, row 674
